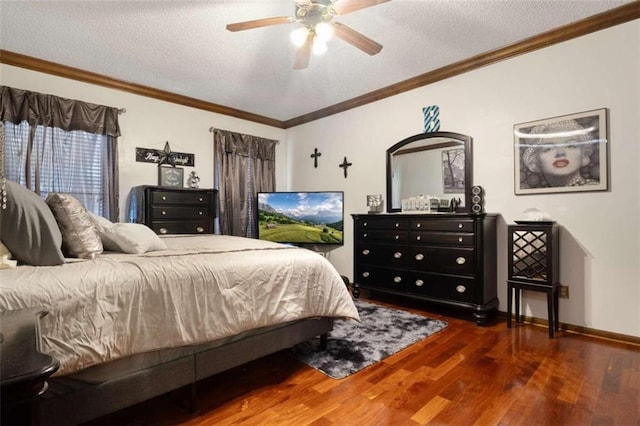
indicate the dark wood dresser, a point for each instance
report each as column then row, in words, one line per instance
column 174, row 211
column 444, row 258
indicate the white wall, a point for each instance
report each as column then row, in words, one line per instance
column 600, row 240
column 149, row 123
column 600, row 237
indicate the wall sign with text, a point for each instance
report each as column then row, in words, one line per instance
column 147, row 155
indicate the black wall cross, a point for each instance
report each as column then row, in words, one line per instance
column 344, row 165
column 315, row 156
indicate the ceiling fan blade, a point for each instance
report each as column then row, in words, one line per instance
column 342, row 7
column 304, row 53
column 265, row 22
column 356, row 39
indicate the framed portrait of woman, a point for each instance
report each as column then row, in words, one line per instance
column 568, row 153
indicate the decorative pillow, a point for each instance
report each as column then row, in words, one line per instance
column 5, row 258
column 104, row 227
column 28, row 228
column 132, row 238
column 135, row 238
column 79, row 235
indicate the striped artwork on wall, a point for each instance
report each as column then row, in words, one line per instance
column 431, row 116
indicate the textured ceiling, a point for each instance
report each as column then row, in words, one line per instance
column 183, row 47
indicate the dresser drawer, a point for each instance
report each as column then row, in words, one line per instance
column 450, row 238
column 443, row 259
column 460, row 289
column 181, row 197
column 176, row 212
column 384, row 236
column 387, row 254
column 386, row 223
column 374, row 276
column 453, row 225
column 182, row 227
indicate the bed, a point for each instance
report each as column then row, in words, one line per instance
column 126, row 327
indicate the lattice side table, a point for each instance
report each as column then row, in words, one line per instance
column 534, row 265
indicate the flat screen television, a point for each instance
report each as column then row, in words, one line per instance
column 302, row 217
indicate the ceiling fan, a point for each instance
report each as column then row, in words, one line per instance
column 318, row 26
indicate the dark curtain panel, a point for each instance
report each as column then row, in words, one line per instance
column 39, row 109
column 44, row 113
column 245, row 166
column 3, row 193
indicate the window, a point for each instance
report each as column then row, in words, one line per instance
column 74, row 162
column 54, row 144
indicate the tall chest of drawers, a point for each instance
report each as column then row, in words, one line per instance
column 444, row 258
column 174, row 211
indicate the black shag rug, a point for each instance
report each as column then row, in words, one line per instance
column 354, row 345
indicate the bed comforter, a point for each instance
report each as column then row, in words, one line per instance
column 202, row 288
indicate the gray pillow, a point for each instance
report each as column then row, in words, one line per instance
column 28, row 228
column 79, row 235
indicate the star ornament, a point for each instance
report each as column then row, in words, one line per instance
column 166, row 156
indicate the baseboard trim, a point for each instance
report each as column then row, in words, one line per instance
column 578, row 329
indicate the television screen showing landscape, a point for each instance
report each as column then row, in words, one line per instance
column 301, row 217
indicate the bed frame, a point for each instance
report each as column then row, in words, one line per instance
column 72, row 401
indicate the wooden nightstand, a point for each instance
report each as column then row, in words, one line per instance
column 24, row 369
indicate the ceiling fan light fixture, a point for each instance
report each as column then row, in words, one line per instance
column 324, row 31
column 319, row 46
column 299, row 36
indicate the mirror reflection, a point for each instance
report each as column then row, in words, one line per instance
column 428, row 167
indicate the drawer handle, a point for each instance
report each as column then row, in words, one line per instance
column 365, row 252
column 460, row 239
column 365, row 235
column 364, row 224
column 163, row 230
column 461, row 289
column 163, row 213
column 365, row 274
column 460, row 225
column 397, row 225
column 397, row 255
column 419, row 256
column 164, row 198
column 461, row 260
column 397, row 237
column 200, row 199
column 419, row 283
column 200, row 213
column 418, row 238
column 200, row 229
column 418, row 225
column 397, row 279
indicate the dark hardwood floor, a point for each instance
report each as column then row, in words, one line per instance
column 463, row 375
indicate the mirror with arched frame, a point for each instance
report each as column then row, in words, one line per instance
column 437, row 164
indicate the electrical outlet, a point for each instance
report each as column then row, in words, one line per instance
column 564, row 291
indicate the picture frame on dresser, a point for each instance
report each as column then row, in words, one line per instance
column 169, row 176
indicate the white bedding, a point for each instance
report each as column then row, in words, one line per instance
column 201, row 289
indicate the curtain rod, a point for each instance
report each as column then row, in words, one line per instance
column 122, row 110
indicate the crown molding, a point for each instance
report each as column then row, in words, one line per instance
column 40, row 65
column 586, row 26
column 617, row 16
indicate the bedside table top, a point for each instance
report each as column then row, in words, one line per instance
column 20, row 356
